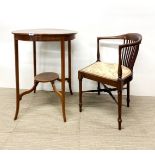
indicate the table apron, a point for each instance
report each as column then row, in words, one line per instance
column 43, row 37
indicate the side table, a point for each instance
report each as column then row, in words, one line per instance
column 44, row 35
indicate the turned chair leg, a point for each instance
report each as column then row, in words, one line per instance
column 119, row 108
column 128, row 94
column 98, row 88
column 80, row 94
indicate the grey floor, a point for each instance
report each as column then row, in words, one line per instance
column 40, row 124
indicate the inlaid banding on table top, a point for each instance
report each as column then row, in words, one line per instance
column 47, row 31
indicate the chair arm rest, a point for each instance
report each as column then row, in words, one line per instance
column 111, row 37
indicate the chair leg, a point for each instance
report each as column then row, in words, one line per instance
column 128, row 94
column 119, row 108
column 98, row 88
column 80, row 94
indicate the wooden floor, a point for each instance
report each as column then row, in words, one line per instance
column 40, row 124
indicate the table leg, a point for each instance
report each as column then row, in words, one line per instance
column 34, row 61
column 17, row 78
column 63, row 77
column 69, row 66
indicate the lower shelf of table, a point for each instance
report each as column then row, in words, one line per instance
column 46, row 77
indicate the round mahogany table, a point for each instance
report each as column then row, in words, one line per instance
column 44, row 35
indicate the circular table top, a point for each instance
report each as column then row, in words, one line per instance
column 44, row 32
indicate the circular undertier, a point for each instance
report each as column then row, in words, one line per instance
column 46, row 77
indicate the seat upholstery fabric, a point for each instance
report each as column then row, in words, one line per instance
column 106, row 70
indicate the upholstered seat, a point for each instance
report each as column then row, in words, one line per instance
column 106, row 70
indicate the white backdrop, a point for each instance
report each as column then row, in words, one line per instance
column 90, row 19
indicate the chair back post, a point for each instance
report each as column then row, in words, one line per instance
column 98, row 50
column 120, row 65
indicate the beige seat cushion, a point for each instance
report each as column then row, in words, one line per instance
column 106, row 70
